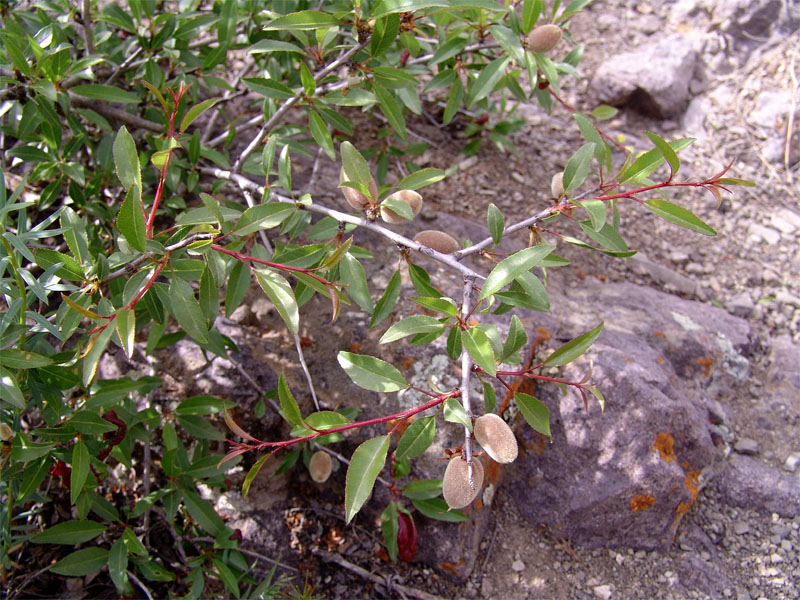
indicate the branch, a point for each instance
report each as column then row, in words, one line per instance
column 115, row 113
column 281, row 112
column 466, row 369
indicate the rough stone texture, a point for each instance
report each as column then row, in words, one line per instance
column 750, row 483
column 654, row 79
column 656, row 365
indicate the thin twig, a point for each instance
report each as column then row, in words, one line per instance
column 124, row 65
column 262, row 235
column 138, row 582
column 281, row 112
column 466, row 370
column 87, row 28
column 130, row 268
column 304, row 366
column 25, row 583
column 787, row 149
column 451, row 260
column 362, row 572
column 115, row 113
column 249, row 62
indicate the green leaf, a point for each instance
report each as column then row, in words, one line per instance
column 516, row 338
column 198, row 427
column 269, row 46
column 126, row 160
column 227, row 577
column 480, row 349
column 187, row 311
column 320, row 133
column 130, row 220
column 251, row 474
column 9, row 390
column 442, row 305
column 70, row 532
column 604, row 112
column 489, row 77
column 577, row 167
column 280, row 293
column 455, row 413
column 454, row 98
column 678, row 215
column 80, row 469
column 436, row 508
column 649, row 162
column 203, row 513
column 489, row 397
column 411, row 326
column 351, row 273
column 531, row 9
column 23, row 359
column 196, row 111
column 81, row 562
column 596, row 209
column 389, row 528
column 118, row 564
column 301, row 20
column 496, row 223
column 423, row 490
column 508, row 269
column 416, row 439
column 126, row 329
column 90, row 423
column 355, row 167
column 607, row 236
column 597, row 394
column 33, row 477
column 535, row 413
column 574, row 348
column 385, row 304
column 385, row 7
column 398, row 206
column 289, row 408
column 269, row 88
column 666, row 151
column 237, row 285
column 263, row 216
column 98, row 346
column 69, row 269
column 421, row 178
column 365, row 465
column 285, row 169
column 383, row 35
column 454, row 343
column 132, row 543
column 109, row 93
column 371, row 373
column 391, row 110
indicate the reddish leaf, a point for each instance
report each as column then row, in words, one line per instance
column 406, row 537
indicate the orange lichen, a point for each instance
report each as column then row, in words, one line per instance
column 706, row 363
column 408, row 362
column 691, row 482
column 665, row 445
column 642, row 502
column 492, row 471
column 657, row 333
column 355, row 347
column 660, row 360
column 306, row 342
column 452, row 568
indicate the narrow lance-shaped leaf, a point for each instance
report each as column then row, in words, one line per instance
column 81, row 562
column 479, row 348
column 508, row 269
column 455, row 413
column 126, row 160
column 421, row 178
column 496, row 223
column 577, row 167
column 69, row 532
column 288, row 404
column 80, row 469
column 389, row 527
column 280, row 293
column 416, row 439
column 678, row 215
column 535, row 413
column 411, row 326
column 187, row 311
column 371, row 373
column 352, row 274
column 574, row 348
column 385, row 304
column 666, row 150
column 365, row 465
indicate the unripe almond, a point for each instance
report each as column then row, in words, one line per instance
column 355, row 198
column 5, row 432
column 557, row 185
column 320, row 466
column 496, row 438
column 455, row 485
column 410, row 197
column 544, row 38
column 437, row 240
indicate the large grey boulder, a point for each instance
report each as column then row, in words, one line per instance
column 653, row 79
column 623, row 477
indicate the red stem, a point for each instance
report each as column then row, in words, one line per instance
column 358, row 424
column 244, row 258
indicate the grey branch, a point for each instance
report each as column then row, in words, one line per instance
column 466, row 368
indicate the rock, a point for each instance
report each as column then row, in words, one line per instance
column 770, row 108
column 757, row 233
column 792, row 461
column 741, row 527
column 749, row 483
column 518, row 566
column 654, row 79
column 596, row 482
column 665, row 275
column 603, row 592
column 746, row 446
column 741, row 305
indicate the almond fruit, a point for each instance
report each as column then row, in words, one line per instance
column 557, row 185
column 496, row 437
column 320, row 466
column 410, row 197
column 354, row 198
column 437, row 240
column 455, row 485
column 544, row 38
column 6, row 433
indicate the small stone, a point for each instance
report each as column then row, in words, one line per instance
column 757, row 233
column 678, row 257
column 784, row 297
column 468, row 163
column 518, row 566
column 741, row 305
column 746, row 446
column 740, row 527
column 775, row 558
column 602, row 591
column 792, row 461
column 785, row 221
